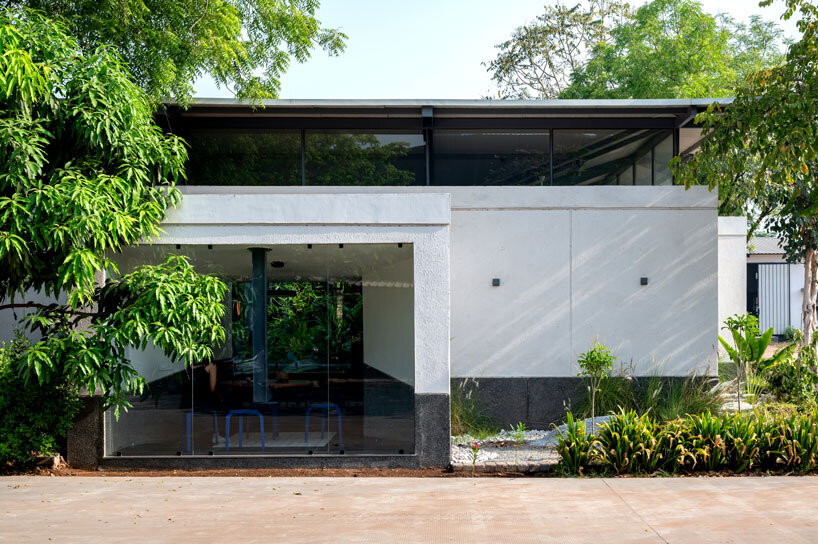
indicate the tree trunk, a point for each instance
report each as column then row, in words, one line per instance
column 808, row 299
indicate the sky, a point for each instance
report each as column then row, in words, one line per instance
column 428, row 48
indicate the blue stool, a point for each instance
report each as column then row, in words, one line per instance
column 324, row 408
column 241, row 413
column 188, row 422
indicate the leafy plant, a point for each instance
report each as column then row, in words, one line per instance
column 574, row 447
column 789, row 333
column 245, row 46
column 595, row 364
column 706, row 441
column 467, row 417
column 84, row 172
column 518, row 434
column 630, row 443
column 743, row 433
column 792, row 442
column 474, row 449
column 747, row 351
column 34, row 418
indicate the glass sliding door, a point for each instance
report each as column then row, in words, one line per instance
column 318, row 357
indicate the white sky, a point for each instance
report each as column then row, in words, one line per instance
column 427, row 48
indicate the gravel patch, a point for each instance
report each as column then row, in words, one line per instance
column 497, row 453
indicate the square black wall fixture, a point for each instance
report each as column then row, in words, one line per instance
column 643, row 281
column 495, row 282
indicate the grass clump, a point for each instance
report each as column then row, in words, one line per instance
column 467, row 417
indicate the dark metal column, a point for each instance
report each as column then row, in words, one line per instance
column 259, row 319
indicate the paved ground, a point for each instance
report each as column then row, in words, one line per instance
column 393, row 510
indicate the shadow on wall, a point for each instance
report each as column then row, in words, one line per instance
column 569, row 277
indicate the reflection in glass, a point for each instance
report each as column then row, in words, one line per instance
column 490, row 158
column 338, row 361
column 361, row 158
column 662, row 155
column 597, row 157
column 225, row 157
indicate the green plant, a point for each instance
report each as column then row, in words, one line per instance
column 789, row 334
column 467, row 417
column 743, row 433
column 748, row 348
column 85, row 171
column 595, row 364
column 475, row 450
column 706, row 441
column 518, row 435
column 632, row 443
column 674, row 398
column 792, row 442
column 574, row 447
column 34, row 418
column 790, row 377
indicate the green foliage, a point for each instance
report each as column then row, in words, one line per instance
column 596, row 364
column 85, row 171
column 668, row 399
column 538, row 59
column 243, row 45
column 789, row 333
column 631, row 444
column 747, row 353
column 574, row 447
column 792, row 442
column 760, row 151
column 665, row 49
column 467, row 418
column 674, row 49
column 33, row 418
column 663, row 398
column 792, row 378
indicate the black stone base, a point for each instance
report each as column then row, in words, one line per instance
column 84, row 441
column 432, row 432
column 537, row 402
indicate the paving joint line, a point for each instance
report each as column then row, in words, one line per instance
column 637, row 514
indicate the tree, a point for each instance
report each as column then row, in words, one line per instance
column 761, row 149
column 595, row 364
column 84, row 171
column 665, row 49
column 674, row 49
column 539, row 58
column 245, row 45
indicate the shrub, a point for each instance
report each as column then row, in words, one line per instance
column 574, row 447
column 792, row 442
column 595, row 364
column 466, row 415
column 681, row 397
column 33, row 418
column 629, row 443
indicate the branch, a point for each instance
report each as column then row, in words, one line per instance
column 47, row 307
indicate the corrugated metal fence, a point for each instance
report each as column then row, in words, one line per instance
column 774, row 297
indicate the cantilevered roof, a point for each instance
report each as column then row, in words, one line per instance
column 681, row 110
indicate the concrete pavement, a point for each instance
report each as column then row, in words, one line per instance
column 395, row 510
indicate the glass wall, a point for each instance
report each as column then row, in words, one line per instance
column 490, row 158
column 612, row 157
column 228, row 157
column 456, row 157
column 327, row 367
column 365, row 158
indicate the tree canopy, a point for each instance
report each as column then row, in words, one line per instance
column 168, row 44
column 84, row 171
column 665, row 49
column 761, row 151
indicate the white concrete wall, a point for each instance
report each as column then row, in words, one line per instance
column 569, row 260
column 389, row 330
column 732, row 267
column 423, row 220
